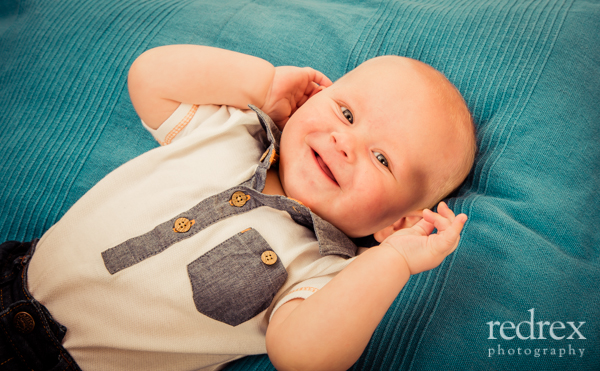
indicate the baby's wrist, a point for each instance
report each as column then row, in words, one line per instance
column 267, row 97
column 400, row 259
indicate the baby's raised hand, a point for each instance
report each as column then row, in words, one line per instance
column 422, row 250
column 290, row 89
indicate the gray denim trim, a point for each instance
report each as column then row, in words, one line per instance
column 218, row 207
column 231, row 284
column 331, row 240
column 273, row 132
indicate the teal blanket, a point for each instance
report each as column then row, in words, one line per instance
column 520, row 292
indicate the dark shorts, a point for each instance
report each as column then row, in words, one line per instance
column 30, row 339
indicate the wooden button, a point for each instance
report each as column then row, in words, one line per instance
column 183, row 225
column 269, row 257
column 24, row 322
column 264, row 155
column 239, row 199
column 274, row 158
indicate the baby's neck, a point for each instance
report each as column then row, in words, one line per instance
column 273, row 184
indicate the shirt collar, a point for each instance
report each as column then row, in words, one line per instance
column 331, row 240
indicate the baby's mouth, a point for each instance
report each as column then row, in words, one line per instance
column 325, row 168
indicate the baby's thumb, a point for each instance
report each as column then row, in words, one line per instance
column 451, row 235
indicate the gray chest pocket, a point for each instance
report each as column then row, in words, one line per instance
column 237, row 279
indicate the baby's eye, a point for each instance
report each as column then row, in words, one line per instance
column 381, row 158
column 347, row 114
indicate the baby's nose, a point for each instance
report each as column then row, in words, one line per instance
column 345, row 144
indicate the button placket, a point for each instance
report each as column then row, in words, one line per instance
column 214, row 208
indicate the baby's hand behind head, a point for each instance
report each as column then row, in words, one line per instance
column 422, row 250
column 290, row 89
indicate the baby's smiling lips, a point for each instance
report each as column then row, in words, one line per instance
column 325, row 168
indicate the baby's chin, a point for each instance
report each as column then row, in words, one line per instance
column 355, row 231
column 348, row 225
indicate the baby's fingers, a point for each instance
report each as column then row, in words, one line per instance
column 442, row 219
column 451, row 235
column 423, row 227
column 439, row 221
column 311, row 90
column 319, row 77
column 445, row 211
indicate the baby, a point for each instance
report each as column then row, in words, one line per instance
column 171, row 262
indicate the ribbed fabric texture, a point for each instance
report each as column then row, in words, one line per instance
column 529, row 72
column 64, row 69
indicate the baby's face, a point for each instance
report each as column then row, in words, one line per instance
column 362, row 153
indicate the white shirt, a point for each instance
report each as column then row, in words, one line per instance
column 144, row 317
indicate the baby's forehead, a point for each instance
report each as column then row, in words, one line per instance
column 394, row 76
column 392, row 80
column 392, row 70
column 390, row 66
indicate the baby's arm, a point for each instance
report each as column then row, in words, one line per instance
column 330, row 329
column 162, row 78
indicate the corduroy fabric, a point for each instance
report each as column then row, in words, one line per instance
column 529, row 71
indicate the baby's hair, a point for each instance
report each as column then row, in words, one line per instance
column 461, row 118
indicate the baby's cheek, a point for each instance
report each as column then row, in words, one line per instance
column 374, row 206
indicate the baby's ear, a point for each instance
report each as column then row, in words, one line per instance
column 406, row 221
